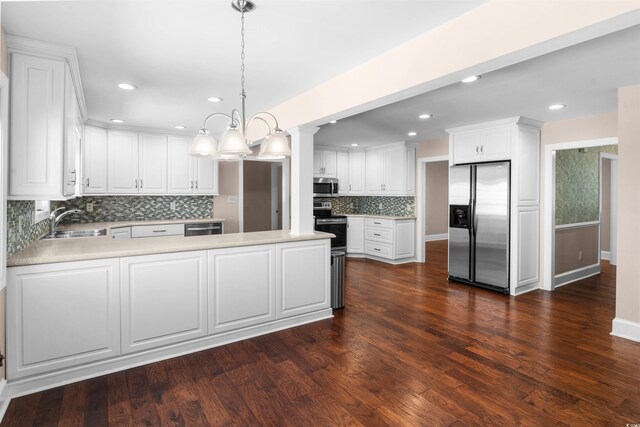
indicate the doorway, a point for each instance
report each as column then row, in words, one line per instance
column 566, row 227
column 265, row 195
column 434, row 201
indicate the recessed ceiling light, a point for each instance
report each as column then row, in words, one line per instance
column 179, row 127
column 412, row 133
column 354, row 145
column 333, row 121
column 117, row 120
column 127, row 86
column 425, row 116
column 556, row 106
column 470, row 79
column 214, row 99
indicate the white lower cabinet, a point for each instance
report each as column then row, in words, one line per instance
column 381, row 238
column 303, row 276
column 241, row 287
column 355, row 234
column 163, row 299
column 61, row 315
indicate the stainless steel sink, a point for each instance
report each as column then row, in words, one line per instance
column 68, row 234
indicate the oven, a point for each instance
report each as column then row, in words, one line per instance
column 335, row 224
column 325, row 187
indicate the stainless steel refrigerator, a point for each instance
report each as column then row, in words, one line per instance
column 479, row 220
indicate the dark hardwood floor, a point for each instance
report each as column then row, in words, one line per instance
column 408, row 349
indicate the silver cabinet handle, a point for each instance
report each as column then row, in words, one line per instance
column 136, row 183
column 376, row 234
column 477, row 151
column 482, row 149
column 88, row 183
column 376, row 249
column 191, row 186
column 196, row 184
column 159, row 231
column 140, row 183
column 377, row 223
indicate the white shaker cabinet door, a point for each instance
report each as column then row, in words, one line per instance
column 95, row 160
column 394, row 162
column 122, row 162
column 61, row 315
column 206, row 175
column 342, row 172
column 357, row 173
column 163, row 299
column 180, row 165
column 355, row 235
column 241, row 287
column 375, row 172
column 152, row 174
column 303, row 277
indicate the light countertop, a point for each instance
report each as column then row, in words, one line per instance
column 118, row 224
column 381, row 216
column 87, row 248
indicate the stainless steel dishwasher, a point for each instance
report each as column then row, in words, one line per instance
column 203, row 229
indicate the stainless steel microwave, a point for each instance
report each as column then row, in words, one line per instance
column 325, row 187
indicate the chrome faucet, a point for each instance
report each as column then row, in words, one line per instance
column 55, row 220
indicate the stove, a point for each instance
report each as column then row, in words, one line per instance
column 325, row 221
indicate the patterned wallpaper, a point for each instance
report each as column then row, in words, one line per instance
column 105, row 208
column 374, row 205
column 578, row 184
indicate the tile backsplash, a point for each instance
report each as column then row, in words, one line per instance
column 137, row 208
column 105, row 208
column 374, row 205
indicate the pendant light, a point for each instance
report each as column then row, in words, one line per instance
column 233, row 143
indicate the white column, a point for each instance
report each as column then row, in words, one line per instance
column 302, row 179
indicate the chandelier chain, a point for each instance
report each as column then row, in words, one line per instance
column 242, row 47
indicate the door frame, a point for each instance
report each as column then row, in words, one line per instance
column 613, row 205
column 549, row 206
column 285, row 190
column 421, row 197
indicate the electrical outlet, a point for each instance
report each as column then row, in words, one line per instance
column 579, row 255
column 232, row 200
column 380, row 205
column 20, row 220
column 351, row 205
column 89, row 207
column 172, row 206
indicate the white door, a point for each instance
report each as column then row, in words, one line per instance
column 356, row 173
column 330, row 164
column 163, row 299
column 342, row 172
column 394, row 161
column 206, row 175
column 153, row 164
column 122, row 162
column 180, row 165
column 355, row 235
column 241, row 296
column 95, row 160
column 374, row 165
column 318, row 162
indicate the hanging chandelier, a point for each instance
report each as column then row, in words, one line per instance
column 234, row 143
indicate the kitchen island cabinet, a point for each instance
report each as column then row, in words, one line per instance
column 73, row 318
column 388, row 239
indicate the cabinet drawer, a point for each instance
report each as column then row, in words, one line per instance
column 157, row 230
column 378, row 234
column 377, row 249
column 121, row 233
column 378, row 222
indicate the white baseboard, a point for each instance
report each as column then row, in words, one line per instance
column 523, row 289
column 575, row 275
column 4, row 398
column 605, row 255
column 626, row 329
column 434, row 237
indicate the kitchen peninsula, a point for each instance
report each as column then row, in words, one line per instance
column 82, row 307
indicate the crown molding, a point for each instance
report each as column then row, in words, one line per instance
column 517, row 120
column 52, row 51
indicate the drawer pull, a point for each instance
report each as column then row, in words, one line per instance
column 377, row 223
column 376, row 234
column 376, row 249
column 159, row 231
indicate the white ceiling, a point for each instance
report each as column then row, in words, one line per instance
column 585, row 77
column 179, row 53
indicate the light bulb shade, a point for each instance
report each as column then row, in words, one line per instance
column 204, row 144
column 233, row 143
column 275, row 146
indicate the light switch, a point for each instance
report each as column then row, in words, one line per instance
column 232, row 200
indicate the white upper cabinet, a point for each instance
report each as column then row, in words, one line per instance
column 357, row 173
column 324, row 164
column 342, row 172
column 122, row 159
column 390, row 170
column 482, row 145
column 45, row 121
column 152, row 172
column 95, row 164
column 189, row 174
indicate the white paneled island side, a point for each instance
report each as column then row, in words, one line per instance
column 83, row 307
